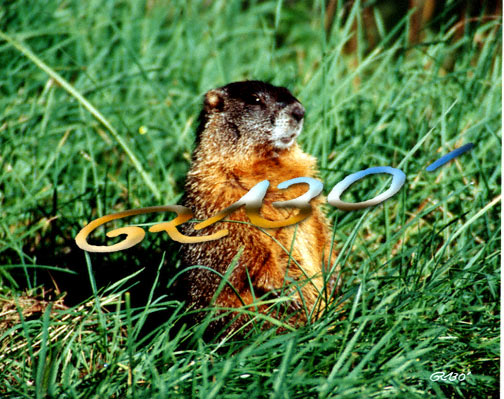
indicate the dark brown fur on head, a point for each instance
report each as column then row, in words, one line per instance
column 251, row 114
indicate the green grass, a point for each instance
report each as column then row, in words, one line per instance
column 421, row 292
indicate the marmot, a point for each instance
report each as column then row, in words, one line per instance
column 247, row 133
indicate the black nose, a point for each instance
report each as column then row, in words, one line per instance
column 297, row 112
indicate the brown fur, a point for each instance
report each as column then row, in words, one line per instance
column 219, row 177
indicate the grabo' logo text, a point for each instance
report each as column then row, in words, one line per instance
column 252, row 202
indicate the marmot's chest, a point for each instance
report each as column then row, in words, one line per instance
column 223, row 184
column 227, row 194
column 275, row 170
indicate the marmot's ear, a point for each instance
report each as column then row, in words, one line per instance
column 214, row 99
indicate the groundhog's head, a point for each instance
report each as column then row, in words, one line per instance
column 251, row 114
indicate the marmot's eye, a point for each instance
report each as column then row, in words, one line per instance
column 253, row 99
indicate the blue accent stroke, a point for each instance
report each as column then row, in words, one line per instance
column 448, row 157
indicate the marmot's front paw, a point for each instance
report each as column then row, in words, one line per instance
column 264, row 282
column 269, row 279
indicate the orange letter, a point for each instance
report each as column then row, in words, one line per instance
column 183, row 215
column 135, row 234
